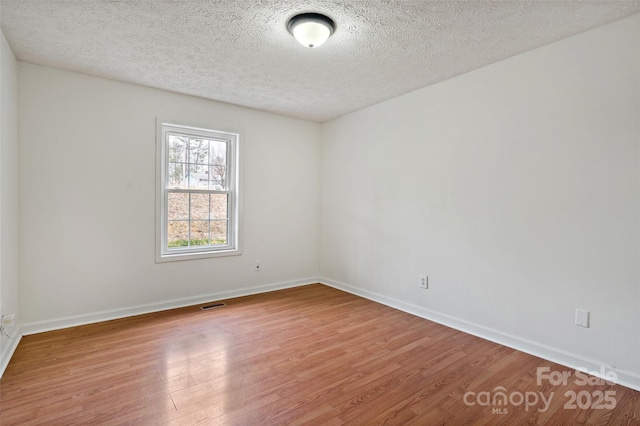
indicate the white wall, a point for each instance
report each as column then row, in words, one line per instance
column 8, row 196
column 87, row 191
column 515, row 187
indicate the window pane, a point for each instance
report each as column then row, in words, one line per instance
column 218, row 176
column 177, row 149
column 178, row 206
column 198, row 177
column 218, row 232
column 176, row 176
column 200, row 233
column 218, row 208
column 178, row 234
column 199, row 151
column 218, row 153
column 199, row 206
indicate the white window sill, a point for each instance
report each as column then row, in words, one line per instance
column 194, row 256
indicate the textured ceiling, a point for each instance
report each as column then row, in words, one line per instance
column 239, row 51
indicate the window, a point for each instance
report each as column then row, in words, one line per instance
column 197, row 194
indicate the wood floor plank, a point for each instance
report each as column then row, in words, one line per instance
column 309, row 355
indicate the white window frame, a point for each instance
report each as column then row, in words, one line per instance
column 163, row 253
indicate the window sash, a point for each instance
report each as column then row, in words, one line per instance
column 190, row 219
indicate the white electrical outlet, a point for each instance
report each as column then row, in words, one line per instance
column 424, row 282
column 258, row 267
column 9, row 320
column 582, row 318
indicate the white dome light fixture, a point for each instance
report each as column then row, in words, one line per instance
column 311, row 29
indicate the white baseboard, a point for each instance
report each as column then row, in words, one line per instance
column 73, row 321
column 9, row 349
column 596, row 368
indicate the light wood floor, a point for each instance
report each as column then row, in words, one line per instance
column 308, row 355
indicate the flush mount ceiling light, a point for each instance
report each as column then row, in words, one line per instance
column 311, row 29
